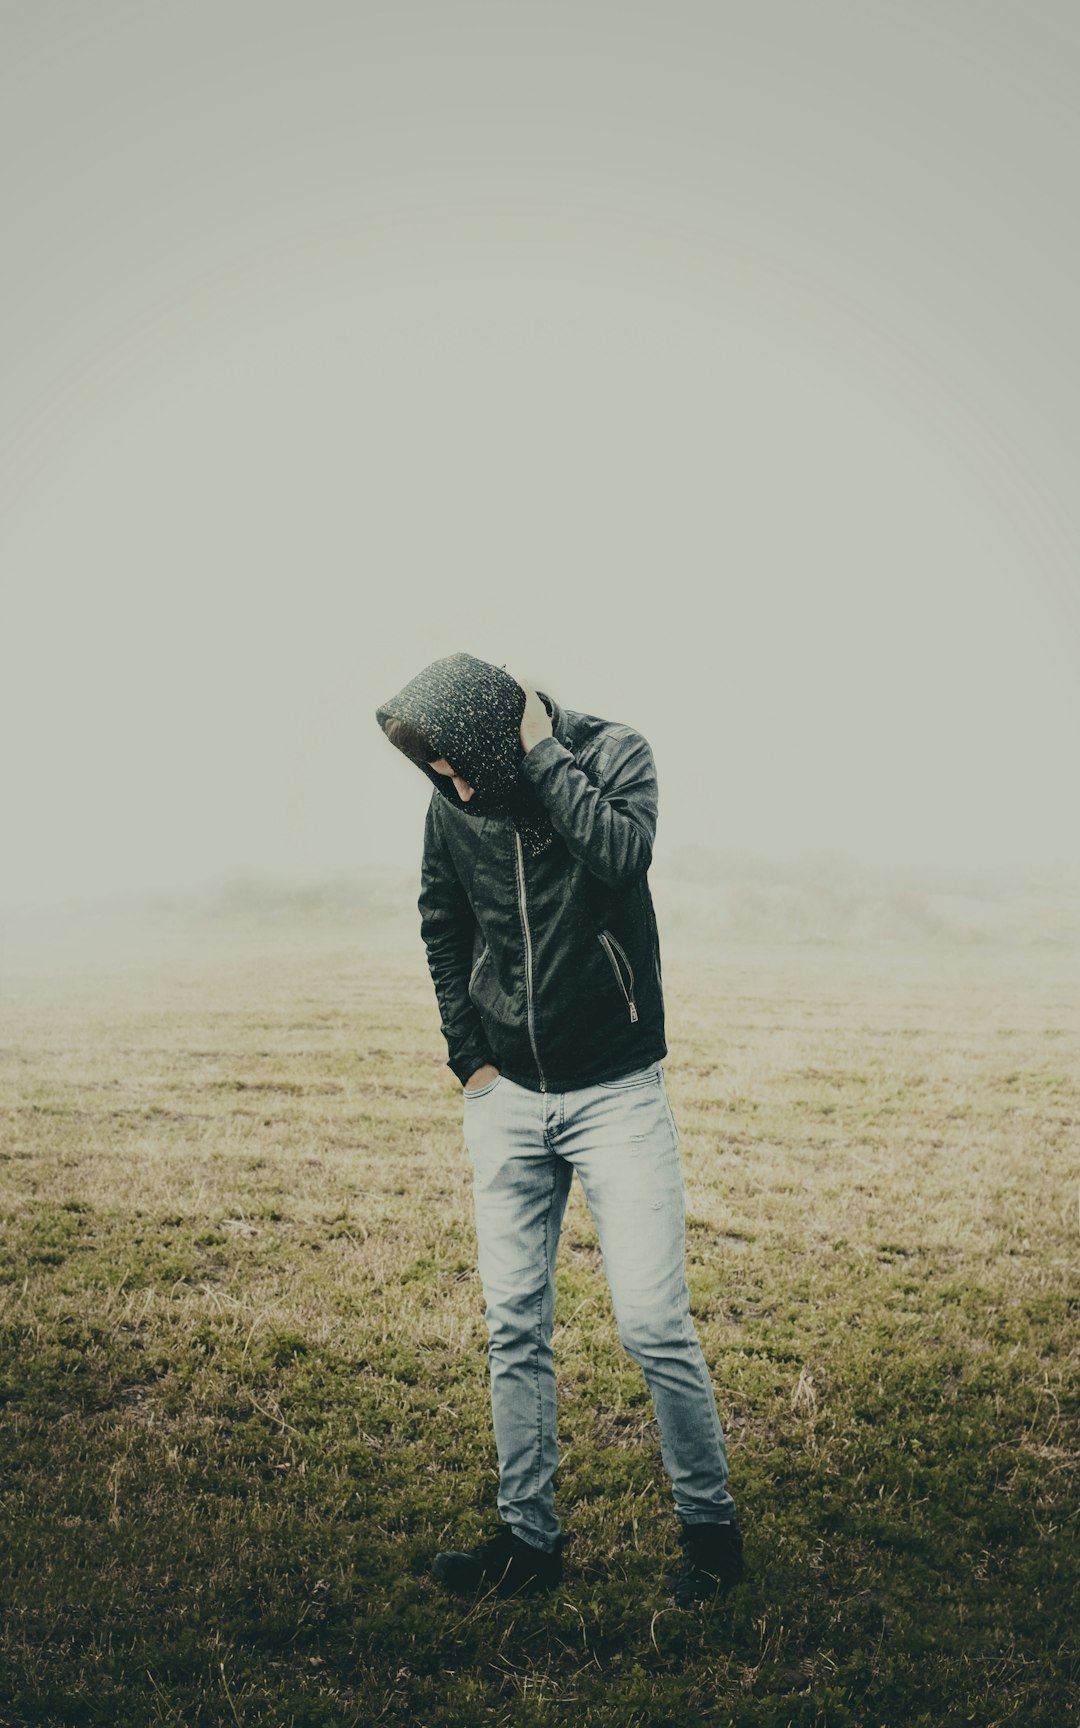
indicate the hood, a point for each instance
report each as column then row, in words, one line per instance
column 470, row 713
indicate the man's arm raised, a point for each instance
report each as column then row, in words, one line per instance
column 611, row 830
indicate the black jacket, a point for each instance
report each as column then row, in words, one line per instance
column 549, row 966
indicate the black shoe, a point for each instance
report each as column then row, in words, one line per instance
column 511, row 1566
column 712, row 1562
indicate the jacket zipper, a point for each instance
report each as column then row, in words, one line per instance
column 606, row 940
column 528, row 956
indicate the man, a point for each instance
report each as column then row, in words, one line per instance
column 543, row 949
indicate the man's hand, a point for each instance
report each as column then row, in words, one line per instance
column 481, row 1077
column 535, row 721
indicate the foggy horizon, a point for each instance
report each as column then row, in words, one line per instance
column 689, row 861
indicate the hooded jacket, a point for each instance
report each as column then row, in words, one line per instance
column 535, row 910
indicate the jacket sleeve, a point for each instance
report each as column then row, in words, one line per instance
column 610, row 829
column 447, row 926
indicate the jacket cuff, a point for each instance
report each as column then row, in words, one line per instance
column 462, row 1067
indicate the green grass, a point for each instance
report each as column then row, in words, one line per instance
column 243, row 1392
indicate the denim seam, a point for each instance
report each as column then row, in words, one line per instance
column 670, row 1116
column 690, row 1333
column 540, row 1332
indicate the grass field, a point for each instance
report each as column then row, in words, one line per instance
column 243, row 1385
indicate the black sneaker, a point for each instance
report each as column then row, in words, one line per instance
column 504, row 1561
column 712, row 1562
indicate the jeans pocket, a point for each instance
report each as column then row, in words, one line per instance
column 482, row 1091
column 667, row 1107
column 627, row 1082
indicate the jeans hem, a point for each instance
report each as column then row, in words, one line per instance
column 531, row 1541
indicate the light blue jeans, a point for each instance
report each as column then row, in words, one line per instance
column 620, row 1137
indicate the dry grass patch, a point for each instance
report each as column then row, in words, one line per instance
column 243, row 1386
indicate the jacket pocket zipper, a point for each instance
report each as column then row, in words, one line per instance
column 472, row 975
column 607, row 941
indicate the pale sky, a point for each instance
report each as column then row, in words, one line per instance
column 714, row 366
